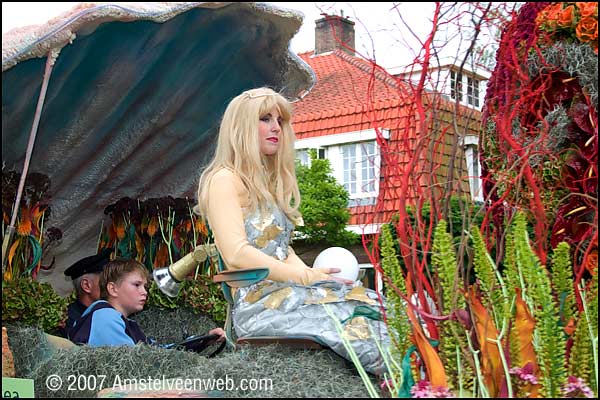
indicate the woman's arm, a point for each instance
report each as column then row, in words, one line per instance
column 293, row 258
column 226, row 220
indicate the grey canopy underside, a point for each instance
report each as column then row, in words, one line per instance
column 134, row 100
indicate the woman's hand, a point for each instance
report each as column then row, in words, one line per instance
column 218, row 331
column 330, row 271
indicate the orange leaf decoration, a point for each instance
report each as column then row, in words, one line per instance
column 201, row 227
column 11, row 253
column 435, row 368
column 37, row 213
column 523, row 328
column 152, row 227
column 591, row 259
column 139, row 247
column 570, row 327
column 491, row 365
column 120, row 229
column 7, row 275
column 162, row 256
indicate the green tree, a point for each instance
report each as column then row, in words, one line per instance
column 324, row 205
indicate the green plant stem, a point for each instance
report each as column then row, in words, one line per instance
column 503, row 357
column 386, row 361
column 459, row 370
column 352, row 354
column 170, row 221
column 483, row 389
column 590, row 330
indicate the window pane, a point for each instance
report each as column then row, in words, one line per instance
column 456, row 85
column 349, row 162
column 367, row 179
column 473, row 92
column 302, row 156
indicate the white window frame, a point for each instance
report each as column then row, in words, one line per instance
column 303, row 156
column 471, row 147
column 456, row 86
column 333, row 152
column 467, row 87
column 373, row 163
column 473, row 92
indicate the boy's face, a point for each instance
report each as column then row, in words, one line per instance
column 130, row 294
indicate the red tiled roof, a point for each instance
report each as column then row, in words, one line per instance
column 351, row 95
column 342, row 87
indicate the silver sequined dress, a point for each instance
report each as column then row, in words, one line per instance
column 279, row 309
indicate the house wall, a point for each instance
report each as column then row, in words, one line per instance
column 406, row 173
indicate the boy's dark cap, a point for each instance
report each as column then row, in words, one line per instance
column 88, row 265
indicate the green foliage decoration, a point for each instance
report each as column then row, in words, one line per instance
column 159, row 300
column 451, row 332
column 200, row 295
column 550, row 342
column 324, row 205
column 444, row 262
column 488, row 276
column 204, row 296
column 459, row 208
column 562, row 280
column 583, row 362
column 397, row 320
column 33, row 303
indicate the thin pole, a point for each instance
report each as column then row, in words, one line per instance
column 10, row 230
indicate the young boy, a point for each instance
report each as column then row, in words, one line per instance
column 123, row 292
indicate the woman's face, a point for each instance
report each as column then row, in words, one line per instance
column 269, row 131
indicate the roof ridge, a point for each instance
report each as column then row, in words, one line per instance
column 360, row 63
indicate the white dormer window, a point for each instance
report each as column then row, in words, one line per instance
column 473, row 85
column 473, row 92
column 456, row 86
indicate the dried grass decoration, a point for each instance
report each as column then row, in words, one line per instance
column 293, row 372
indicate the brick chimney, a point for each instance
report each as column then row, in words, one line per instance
column 325, row 40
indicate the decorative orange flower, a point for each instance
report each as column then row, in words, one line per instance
column 591, row 260
column 200, row 227
column 120, row 229
column 552, row 15
column 548, row 16
column 587, row 9
column 587, row 29
column 565, row 17
column 152, row 227
column 24, row 226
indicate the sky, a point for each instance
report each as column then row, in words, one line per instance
column 374, row 24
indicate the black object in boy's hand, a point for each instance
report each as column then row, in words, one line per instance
column 198, row 343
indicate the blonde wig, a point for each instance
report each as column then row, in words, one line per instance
column 268, row 179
